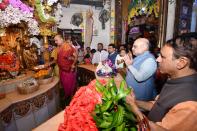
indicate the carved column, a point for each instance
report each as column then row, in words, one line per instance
column 46, row 52
column 45, row 31
column 118, row 21
column 170, row 20
column 162, row 22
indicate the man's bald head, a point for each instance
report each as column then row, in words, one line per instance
column 140, row 46
column 58, row 36
column 59, row 40
column 144, row 43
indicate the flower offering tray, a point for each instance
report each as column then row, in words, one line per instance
column 28, row 86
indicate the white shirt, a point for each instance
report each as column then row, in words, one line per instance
column 99, row 56
column 80, row 55
column 118, row 58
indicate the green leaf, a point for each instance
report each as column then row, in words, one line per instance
column 97, row 119
column 133, row 129
column 106, row 106
column 104, row 124
column 122, row 85
column 99, row 86
column 120, row 127
column 107, row 94
column 130, row 116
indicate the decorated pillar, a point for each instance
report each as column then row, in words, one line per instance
column 46, row 52
column 112, row 22
column 118, row 21
column 171, row 19
column 47, row 21
column 45, row 31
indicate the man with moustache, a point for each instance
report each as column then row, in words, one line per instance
column 175, row 109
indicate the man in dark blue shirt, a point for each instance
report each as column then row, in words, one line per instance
column 112, row 53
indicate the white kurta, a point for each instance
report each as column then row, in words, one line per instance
column 99, row 56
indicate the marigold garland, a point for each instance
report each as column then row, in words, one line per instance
column 9, row 62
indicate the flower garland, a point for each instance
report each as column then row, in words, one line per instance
column 9, row 62
column 4, row 4
column 23, row 7
column 13, row 15
column 77, row 116
column 43, row 17
column 33, row 27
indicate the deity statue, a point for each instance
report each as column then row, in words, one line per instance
column 29, row 53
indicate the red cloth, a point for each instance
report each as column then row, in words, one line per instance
column 65, row 59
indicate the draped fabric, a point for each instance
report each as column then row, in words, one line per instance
column 88, row 28
column 65, row 60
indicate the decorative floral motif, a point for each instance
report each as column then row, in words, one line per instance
column 13, row 15
column 9, row 62
column 33, row 27
column 43, row 17
column 4, row 4
column 6, row 116
column 134, row 3
column 39, row 101
column 22, row 109
column 136, row 8
column 45, row 31
column 23, row 7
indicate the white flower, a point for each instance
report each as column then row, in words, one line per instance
column 58, row 13
column 51, row 2
column 13, row 15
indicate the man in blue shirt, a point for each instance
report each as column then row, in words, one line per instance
column 141, row 70
column 112, row 53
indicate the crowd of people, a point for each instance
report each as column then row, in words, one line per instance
column 177, row 60
column 135, row 60
column 138, row 72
